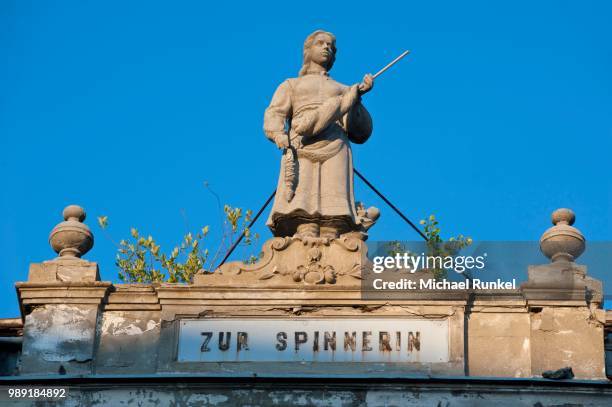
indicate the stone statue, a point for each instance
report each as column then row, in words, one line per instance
column 319, row 230
column 312, row 118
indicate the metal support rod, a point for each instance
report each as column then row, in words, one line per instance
column 265, row 205
column 391, row 205
column 237, row 242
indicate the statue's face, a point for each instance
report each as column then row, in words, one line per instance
column 322, row 50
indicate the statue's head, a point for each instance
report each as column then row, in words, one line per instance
column 320, row 48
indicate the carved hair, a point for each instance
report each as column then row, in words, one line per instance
column 306, row 55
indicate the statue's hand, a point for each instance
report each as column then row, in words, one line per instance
column 281, row 141
column 366, row 85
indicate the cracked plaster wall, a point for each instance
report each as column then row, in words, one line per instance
column 128, row 341
column 501, row 341
column 568, row 336
column 59, row 338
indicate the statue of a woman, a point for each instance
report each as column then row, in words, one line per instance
column 312, row 118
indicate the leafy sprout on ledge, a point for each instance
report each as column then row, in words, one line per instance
column 141, row 259
column 435, row 246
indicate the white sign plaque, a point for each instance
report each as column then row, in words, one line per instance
column 313, row 340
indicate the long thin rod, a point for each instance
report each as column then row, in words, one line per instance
column 391, row 205
column 237, row 242
column 390, row 64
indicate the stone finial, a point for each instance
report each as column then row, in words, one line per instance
column 71, row 238
column 562, row 242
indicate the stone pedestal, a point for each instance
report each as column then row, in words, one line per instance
column 61, row 303
column 568, row 336
column 64, row 270
column 567, row 322
column 300, row 261
column 60, row 329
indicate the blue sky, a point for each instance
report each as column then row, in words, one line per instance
column 501, row 114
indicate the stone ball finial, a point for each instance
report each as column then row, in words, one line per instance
column 562, row 242
column 72, row 238
column 563, row 216
column 74, row 212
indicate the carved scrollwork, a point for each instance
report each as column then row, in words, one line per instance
column 280, row 243
column 275, row 244
column 275, row 271
column 351, row 244
column 290, row 260
column 354, row 271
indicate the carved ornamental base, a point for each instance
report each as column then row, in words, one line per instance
column 294, row 261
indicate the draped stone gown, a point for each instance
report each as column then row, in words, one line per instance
column 320, row 116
